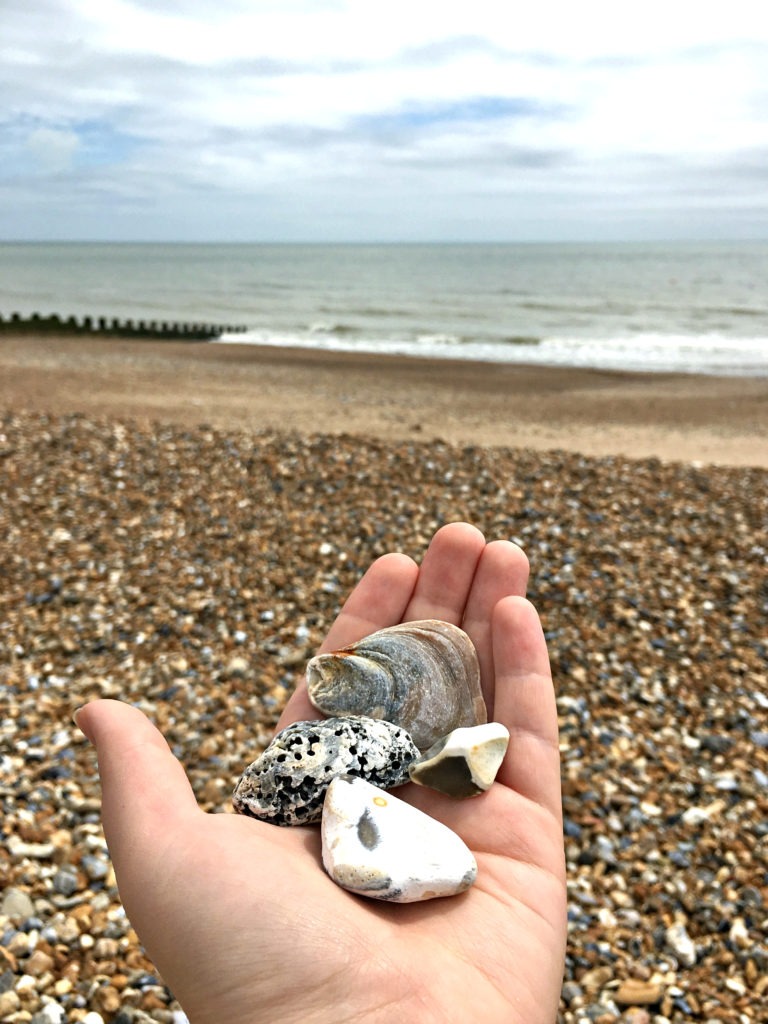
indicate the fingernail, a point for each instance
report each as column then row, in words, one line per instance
column 75, row 714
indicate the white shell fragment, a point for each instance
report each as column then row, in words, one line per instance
column 463, row 763
column 378, row 846
column 287, row 784
column 423, row 676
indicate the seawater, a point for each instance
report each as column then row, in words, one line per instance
column 652, row 306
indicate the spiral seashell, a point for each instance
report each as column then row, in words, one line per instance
column 423, row 676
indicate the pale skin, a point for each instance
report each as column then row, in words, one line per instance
column 240, row 918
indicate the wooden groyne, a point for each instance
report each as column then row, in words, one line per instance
column 150, row 330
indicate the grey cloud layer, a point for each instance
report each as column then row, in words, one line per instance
column 305, row 145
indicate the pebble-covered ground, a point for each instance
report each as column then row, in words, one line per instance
column 192, row 571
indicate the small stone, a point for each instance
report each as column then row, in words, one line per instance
column 39, row 963
column 680, row 943
column 700, row 815
column 237, row 667
column 736, row 985
column 606, row 917
column 739, row 933
column 95, row 867
column 287, row 784
column 67, row 930
column 25, row 986
column 9, row 1003
column 636, row 1015
column 465, row 762
column 105, row 949
column 61, row 840
column 34, row 851
column 571, row 991
column 595, row 979
column 107, row 999
column 51, row 1013
column 634, row 992
column 66, row 882
column 378, row 846
column 17, row 944
column 17, row 904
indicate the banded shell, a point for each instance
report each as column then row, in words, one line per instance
column 423, row 676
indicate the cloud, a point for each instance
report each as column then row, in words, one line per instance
column 52, row 149
column 397, row 120
column 416, row 116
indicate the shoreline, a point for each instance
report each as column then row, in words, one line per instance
column 672, row 416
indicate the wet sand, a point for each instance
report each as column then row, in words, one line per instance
column 678, row 417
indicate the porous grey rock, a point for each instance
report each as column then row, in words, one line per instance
column 287, row 784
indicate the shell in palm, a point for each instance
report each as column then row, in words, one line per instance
column 423, row 676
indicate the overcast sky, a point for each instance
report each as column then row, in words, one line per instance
column 243, row 120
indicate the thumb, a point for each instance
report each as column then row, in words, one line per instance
column 144, row 788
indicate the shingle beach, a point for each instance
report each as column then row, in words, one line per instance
column 192, row 569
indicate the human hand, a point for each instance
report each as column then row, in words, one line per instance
column 237, row 914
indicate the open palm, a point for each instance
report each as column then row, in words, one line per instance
column 240, row 918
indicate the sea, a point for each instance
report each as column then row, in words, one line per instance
column 657, row 307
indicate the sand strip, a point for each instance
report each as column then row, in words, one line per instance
column 720, row 420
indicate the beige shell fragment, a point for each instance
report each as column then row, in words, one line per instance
column 465, row 762
column 423, row 676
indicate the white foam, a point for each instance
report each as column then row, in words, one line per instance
column 647, row 352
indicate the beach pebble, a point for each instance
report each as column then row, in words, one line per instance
column 17, row 904
column 378, row 846
column 635, row 1015
column 39, row 963
column 465, row 762
column 18, row 944
column 96, row 868
column 65, row 881
column 635, row 992
column 287, row 784
column 700, row 815
column 35, row 851
column 679, row 942
column 9, row 1003
column 51, row 1013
